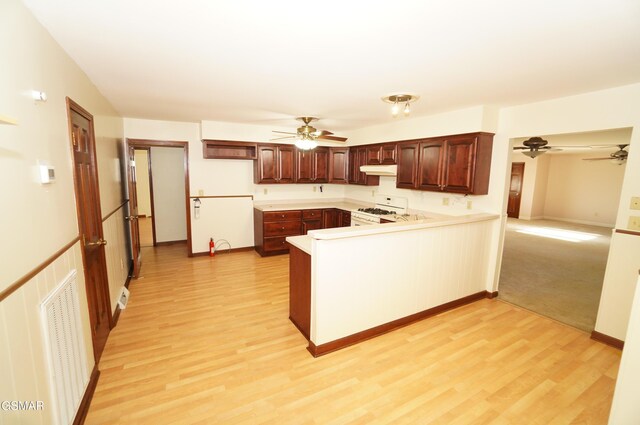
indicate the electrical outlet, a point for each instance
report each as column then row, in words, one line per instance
column 373, row 193
column 445, row 201
column 469, row 205
column 265, row 191
column 315, row 188
column 635, row 203
column 634, row 223
column 200, row 192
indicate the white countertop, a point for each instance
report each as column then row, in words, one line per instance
column 312, row 204
column 436, row 220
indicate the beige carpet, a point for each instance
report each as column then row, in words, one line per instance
column 556, row 278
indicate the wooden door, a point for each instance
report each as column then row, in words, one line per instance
column 339, row 165
column 304, row 166
column 460, row 158
column 431, row 164
column 90, row 223
column 407, row 155
column 321, row 165
column 265, row 168
column 134, row 225
column 286, row 164
column 515, row 189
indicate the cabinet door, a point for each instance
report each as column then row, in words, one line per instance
column 339, row 165
column 354, row 166
column 265, row 167
column 374, row 155
column 329, row 218
column 321, row 165
column 362, row 160
column 286, row 164
column 407, row 165
column 459, row 163
column 304, row 166
column 344, row 219
column 311, row 225
column 430, row 171
column 388, row 154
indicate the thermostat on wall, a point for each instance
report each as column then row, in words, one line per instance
column 47, row 174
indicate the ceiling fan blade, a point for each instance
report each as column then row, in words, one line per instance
column 596, row 159
column 282, row 138
column 519, row 147
column 284, row 132
column 322, row 133
column 335, row 138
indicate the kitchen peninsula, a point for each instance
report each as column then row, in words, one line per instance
column 352, row 283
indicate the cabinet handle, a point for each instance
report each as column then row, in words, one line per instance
column 282, row 228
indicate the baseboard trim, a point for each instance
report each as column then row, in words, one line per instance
column 606, row 339
column 116, row 316
column 170, row 242
column 129, row 275
column 328, row 347
column 225, row 251
column 491, row 295
column 81, row 415
column 586, row 222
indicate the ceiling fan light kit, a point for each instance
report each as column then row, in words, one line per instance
column 398, row 99
column 306, row 136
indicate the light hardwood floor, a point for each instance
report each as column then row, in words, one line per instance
column 208, row 341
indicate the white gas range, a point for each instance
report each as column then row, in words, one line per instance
column 385, row 207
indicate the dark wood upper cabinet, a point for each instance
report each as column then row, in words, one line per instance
column 274, row 164
column 374, row 155
column 312, row 166
column 457, row 164
column 407, row 164
column 388, row 153
column 357, row 157
column 430, row 168
column 225, row 149
column 339, row 165
column 384, row 154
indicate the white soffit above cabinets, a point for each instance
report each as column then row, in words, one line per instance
column 267, row 62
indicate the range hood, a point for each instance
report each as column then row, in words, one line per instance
column 380, row 170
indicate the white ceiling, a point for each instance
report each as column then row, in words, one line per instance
column 265, row 62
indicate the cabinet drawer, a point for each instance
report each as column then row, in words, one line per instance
column 275, row 244
column 311, row 214
column 282, row 228
column 281, row 215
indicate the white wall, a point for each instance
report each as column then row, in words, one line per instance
column 142, row 182
column 38, row 220
column 167, row 172
column 585, row 192
column 625, row 409
column 534, row 185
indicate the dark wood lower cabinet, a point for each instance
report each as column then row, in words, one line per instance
column 271, row 228
column 300, row 290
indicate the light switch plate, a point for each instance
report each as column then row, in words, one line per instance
column 634, row 223
column 635, row 203
column 445, row 201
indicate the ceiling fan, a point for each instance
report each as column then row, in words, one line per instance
column 535, row 146
column 307, row 135
column 619, row 157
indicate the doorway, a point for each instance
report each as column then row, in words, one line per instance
column 555, row 254
column 145, row 197
column 168, row 194
column 85, row 177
